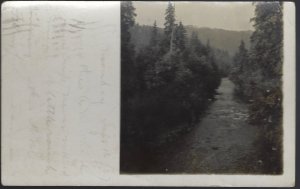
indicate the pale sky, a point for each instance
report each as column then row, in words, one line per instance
column 224, row 15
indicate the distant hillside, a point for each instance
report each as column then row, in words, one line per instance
column 221, row 39
column 218, row 38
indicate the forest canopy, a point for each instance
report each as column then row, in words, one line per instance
column 168, row 82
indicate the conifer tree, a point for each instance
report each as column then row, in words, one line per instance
column 180, row 38
column 127, row 49
column 154, row 35
column 240, row 64
column 169, row 20
column 266, row 40
column 241, row 58
column 169, row 24
column 127, row 21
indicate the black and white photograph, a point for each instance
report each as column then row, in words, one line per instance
column 148, row 93
column 201, row 88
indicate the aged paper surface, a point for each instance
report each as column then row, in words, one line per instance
column 61, row 99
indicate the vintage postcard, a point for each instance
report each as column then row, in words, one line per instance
column 132, row 93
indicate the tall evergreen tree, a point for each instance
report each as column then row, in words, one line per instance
column 169, row 20
column 154, row 35
column 266, row 40
column 127, row 49
column 169, row 24
column 127, row 21
column 239, row 69
column 180, row 38
column 241, row 58
column 147, row 59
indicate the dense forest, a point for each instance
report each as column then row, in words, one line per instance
column 257, row 75
column 227, row 40
column 223, row 43
column 168, row 83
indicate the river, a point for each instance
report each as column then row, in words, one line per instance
column 222, row 142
